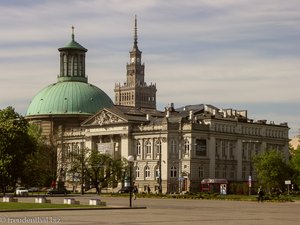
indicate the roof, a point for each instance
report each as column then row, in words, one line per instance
column 196, row 108
column 73, row 45
column 69, row 98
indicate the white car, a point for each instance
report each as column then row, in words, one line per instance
column 21, row 191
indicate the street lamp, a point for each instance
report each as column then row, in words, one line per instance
column 82, row 171
column 159, row 167
column 130, row 162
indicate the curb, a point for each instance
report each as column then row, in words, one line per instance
column 69, row 209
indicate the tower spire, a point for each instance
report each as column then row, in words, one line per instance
column 139, row 94
column 135, row 32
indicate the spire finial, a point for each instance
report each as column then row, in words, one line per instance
column 73, row 33
column 135, row 31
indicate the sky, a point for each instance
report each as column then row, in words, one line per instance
column 240, row 54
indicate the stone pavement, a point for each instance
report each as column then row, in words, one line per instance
column 167, row 212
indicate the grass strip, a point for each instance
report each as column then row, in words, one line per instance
column 33, row 206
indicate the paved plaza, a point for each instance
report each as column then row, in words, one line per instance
column 166, row 212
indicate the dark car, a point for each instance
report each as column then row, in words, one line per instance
column 124, row 190
column 33, row 189
column 58, row 192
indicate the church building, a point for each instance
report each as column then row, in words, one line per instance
column 173, row 149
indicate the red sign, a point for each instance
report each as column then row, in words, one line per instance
column 250, row 181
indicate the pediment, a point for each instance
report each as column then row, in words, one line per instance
column 105, row 117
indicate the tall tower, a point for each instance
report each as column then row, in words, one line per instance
column 135, row 91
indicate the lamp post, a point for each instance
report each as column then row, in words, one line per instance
column 159, row 147
column 250, row 174
column 130, row 162
column 82, row 171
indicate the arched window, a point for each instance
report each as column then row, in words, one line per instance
column 69, row 151
column 186, row 146
column 65, row 62
column 173, row 172
column 75, row 65
column 137, row 172
column 76, row 148
column 148, row 147
column 81, row 66
column 147, row 172
column 70, row 62
column 138, row 148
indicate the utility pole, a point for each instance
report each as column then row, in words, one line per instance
column 159, row 164
column 159, row 181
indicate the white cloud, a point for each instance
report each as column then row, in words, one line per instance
column 201, row 51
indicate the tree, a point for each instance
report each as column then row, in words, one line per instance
column 15, row 146
column 295, row 166
column 40, row 168
column 271, row 169
column 101, row 170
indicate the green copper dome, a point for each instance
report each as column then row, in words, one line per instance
column 72, row 94
column 68, row 98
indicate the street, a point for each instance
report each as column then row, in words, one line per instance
column 167, row 212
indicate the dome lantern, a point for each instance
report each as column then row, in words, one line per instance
column 72, row 61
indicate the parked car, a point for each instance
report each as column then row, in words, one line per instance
column 33, row 189
column 21, row 191
column 58, row 192
column 124, row 190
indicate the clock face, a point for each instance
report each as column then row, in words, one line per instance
column 133, row 59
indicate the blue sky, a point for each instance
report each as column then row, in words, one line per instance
column 242, row 54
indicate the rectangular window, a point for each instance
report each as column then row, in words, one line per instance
column 200, row 147
column 138, row 148
column 244, row 172
column 224, row 149
column 225, row 172
column 201, row 172
column 217, row 172
column 173, row 146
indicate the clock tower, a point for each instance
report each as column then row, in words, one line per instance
column 135, row 91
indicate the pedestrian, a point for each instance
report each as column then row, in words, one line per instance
column 260, row 194
column 135, row 191
column 148, row 189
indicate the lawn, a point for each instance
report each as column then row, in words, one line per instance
column 34, row 206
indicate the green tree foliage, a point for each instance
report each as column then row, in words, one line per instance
column 295, row 165
column 271, row 169
column 101, row 170
column 15, row 146
column 40, row 167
